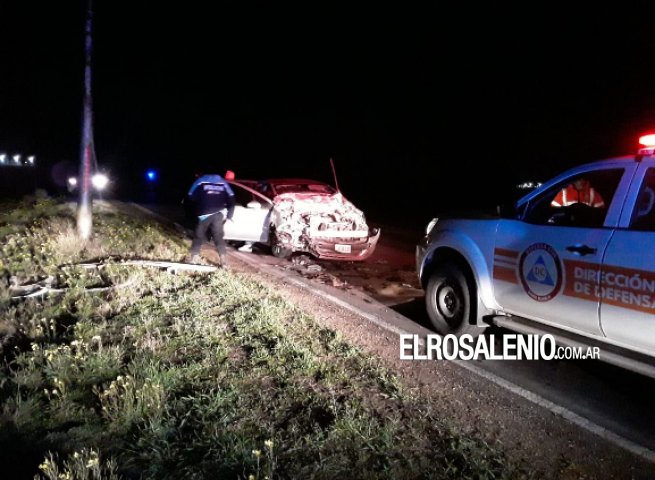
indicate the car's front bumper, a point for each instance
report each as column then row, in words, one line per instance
column 353, row 249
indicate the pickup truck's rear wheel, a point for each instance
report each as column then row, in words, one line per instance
column 448, row 298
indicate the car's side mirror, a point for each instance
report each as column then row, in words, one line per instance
column 254, row 204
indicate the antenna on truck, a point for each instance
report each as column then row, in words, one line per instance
column 334, row 173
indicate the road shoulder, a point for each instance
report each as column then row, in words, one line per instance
column 541, row 440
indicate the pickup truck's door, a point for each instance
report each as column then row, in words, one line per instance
column 627, row 310
column 546, row 264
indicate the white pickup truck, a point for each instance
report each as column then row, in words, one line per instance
column 574, row 258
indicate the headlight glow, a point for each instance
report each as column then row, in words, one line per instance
column 99, row 181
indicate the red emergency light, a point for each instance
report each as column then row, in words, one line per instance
column 647, row 146
column 647, row 140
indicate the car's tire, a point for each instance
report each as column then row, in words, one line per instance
column 449, row 299
column 277, row 249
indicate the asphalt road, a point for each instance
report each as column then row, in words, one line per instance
column 614, row 399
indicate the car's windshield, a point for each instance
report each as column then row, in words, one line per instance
column 318, row 188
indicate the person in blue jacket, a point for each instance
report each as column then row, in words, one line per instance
column 214, row 202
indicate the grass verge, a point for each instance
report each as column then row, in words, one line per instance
column 192, row 375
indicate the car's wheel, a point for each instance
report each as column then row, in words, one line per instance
column 277, row 249
column 449, row 300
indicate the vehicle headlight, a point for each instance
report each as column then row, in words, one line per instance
column 431, row 225
column 99, row 181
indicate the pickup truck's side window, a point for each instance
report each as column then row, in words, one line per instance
column 643, row 215
column 579, row 201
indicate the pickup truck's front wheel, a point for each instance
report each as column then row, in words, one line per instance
column 448, row 299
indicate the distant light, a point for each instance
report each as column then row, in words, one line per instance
column 72, row 181
column 99, row 181
column 647, row 140
column 30, row 159
column 529, row 185
column 2, row 158
column 17, row 158
column 151, row 175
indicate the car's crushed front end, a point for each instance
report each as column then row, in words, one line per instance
column 326, row 225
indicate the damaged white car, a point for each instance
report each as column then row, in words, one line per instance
column 297, row 215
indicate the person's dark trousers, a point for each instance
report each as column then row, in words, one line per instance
column 213, row 225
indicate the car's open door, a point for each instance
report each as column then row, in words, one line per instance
column 251, row 218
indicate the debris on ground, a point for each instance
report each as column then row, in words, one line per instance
column 304, row 263
column 302, row 260
column 247, row 247
column 47, row 286
column 310, row 269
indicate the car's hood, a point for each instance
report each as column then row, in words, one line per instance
column 319, row 204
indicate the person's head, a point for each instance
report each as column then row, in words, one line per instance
column 581, row 183
column 229, row 175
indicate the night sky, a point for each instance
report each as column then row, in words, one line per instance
column 420, row 107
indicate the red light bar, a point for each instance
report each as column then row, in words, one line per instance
column 647, row 140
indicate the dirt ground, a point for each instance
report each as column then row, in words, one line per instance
column 543, row 442
column 388, row 276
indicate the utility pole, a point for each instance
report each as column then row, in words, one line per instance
column 84, row 215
